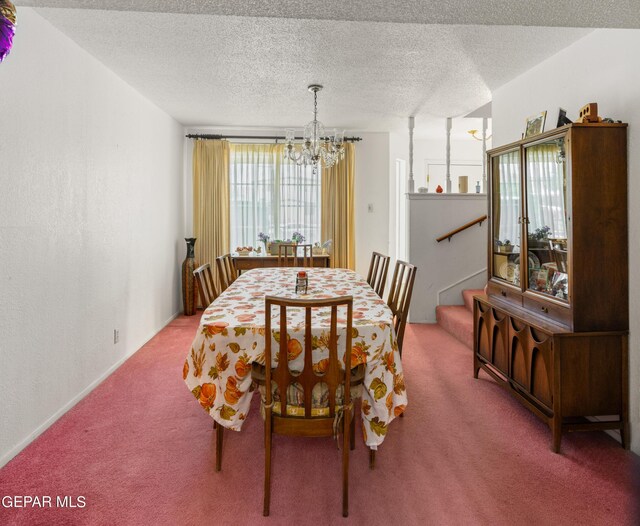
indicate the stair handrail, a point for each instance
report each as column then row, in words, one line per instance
column 449, row 235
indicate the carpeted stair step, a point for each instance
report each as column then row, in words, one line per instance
column 458, row 321
column 468, row 295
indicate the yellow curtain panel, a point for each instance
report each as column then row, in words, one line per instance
column 211, row 201
column 338, row 222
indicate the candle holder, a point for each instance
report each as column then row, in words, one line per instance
column 302, row 282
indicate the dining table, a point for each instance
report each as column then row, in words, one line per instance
column 231, row 336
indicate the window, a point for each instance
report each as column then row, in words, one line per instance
column 271, row 195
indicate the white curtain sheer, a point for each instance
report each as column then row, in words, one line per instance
column 546, row 190
column 508, row 192
column 271, row 195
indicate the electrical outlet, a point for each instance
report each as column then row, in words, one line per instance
column 116, row 336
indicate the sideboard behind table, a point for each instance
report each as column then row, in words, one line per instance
column 263, row 260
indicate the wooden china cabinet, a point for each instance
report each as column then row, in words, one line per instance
column 552, row 328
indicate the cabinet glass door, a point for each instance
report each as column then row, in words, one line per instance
column 546, row 213
column 506, row 189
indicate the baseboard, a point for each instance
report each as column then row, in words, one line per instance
column 7, row 457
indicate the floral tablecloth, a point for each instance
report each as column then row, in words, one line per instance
column 232, row 331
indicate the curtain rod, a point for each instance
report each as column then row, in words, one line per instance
column 261, row 137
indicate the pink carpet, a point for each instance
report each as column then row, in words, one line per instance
column 141, row 451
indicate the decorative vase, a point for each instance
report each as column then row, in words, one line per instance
column 189, row 292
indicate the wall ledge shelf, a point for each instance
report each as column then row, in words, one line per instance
column 433, row 196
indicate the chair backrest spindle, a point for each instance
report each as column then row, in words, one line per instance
column 206, row 286
column 377, row 276
column 289, row 255
column 226, row 271
column 399, row 300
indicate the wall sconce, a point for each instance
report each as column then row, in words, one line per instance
column 473, row 134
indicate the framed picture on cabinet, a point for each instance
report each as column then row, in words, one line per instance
column 562, row 118
column 535, row 124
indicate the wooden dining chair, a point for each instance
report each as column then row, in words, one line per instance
column 301, row 417
column 204, row 279
column 558, row 250
column 378, row 268
column 226, row 271
column 289, row 255
column 399, row 300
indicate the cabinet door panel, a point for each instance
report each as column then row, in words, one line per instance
column 506, row 193
column 546, row 212
column 519, row 354
column 541, row 367
column 500, row 342
column 483, row 330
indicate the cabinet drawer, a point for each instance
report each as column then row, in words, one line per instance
column 504, row 293
column 547, row 310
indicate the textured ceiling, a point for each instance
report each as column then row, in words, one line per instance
column 574, row 13
column 227, row 70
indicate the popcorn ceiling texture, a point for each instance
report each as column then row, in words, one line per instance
column 576, row 13
column 253, row 71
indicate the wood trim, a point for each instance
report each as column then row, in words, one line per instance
column 556, row 131
column 449, row 235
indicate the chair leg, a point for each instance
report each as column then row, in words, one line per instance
column 345, row 464
column 267, row 463
column 352, row 433
column 219, row 436
column 372, row 458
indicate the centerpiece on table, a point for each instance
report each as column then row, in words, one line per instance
column 264, row 239
column 297, row 238
column 244, row 251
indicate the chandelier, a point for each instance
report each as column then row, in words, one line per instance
column 7, row 27
column 316, row 146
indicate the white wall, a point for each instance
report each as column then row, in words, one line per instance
column 91, row 226
column 371, row 188
column 602, row 68
column 447, row 267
